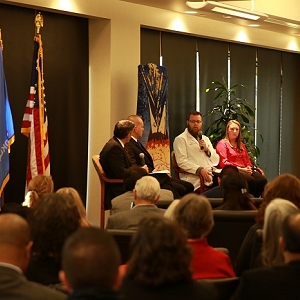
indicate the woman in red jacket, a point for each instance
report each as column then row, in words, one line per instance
column 233, row 152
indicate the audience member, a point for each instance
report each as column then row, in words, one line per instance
column 217, row 191
column 37, row 187
column 275, row 213
column 285, row 186
column 15, row 208
column 90, row 261
column 236, row 196
column 232, row 151
column 159, row 266
column 15, row 244
column 124, row 201
column 277, row 282
column 146, row 194
column 114, row 159
column 52, row 221
column 195, row 153
column 78, row 201
column 195, row 216
column 134, row 148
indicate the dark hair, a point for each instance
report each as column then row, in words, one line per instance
column 236, row 196
column 90, row 259
column 291, row 232
column 15, row 208
column 194, row 113
column 131, row 176
column 285, row 186
column 194, row 215
column 55, row 217
column 159, row 253
column 228, row 170
column 123, row 128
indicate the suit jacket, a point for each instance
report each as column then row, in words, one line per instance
column 123, row 202
column 129, row 220
column 15, row 286
column 134, row 149
column 276, row 283
column 114, row 161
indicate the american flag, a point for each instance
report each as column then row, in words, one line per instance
column 35, row 121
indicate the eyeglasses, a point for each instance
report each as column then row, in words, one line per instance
column 195, row 121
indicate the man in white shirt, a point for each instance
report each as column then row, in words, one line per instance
column 194, row 152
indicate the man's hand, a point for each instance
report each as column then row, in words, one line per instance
column 207, row 174
column 146, row 168
column 203, row 145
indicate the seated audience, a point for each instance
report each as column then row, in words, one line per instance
column 90, row 261
column 217, row 191
column 37, row 187
column 52, row 221
column 233, row 152
column 195, row 216
column 146, row 195
column 15, row 244
column 236, row 196
column 275, row 213
column 159, row 266
column 277, row 282
column 78, row 201
column 124, row 201
column 285, row 186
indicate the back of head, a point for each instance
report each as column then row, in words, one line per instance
column 131, row 176
column 53, row 220
column 275, row 213
column 228, row 170
column 235, row 190
column 123, row 128
column 147, row 188
column 291, row 232
column 90, row 259
column 76, row 197
column 14, row 230
column 285, row 186
column 159, row 253
column 194, row 214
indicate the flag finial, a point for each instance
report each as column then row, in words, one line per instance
column 39, row 22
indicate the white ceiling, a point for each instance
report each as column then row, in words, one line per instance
column 181, row 7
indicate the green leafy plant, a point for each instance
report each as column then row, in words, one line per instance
column 229, row 107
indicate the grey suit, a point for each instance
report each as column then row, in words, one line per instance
column 129, row 220
column 15, row 286
column 123, row 202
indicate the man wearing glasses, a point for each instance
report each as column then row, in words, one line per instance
column 194, row 152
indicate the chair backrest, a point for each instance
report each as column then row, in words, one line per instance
column 215, row 202
column 225, row 286
column 103, row 179
column 230, row 229
column 123, row 239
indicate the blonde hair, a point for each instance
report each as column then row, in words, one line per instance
column 37, row 187
column 275, row 213
column 78, row 201
column 239, row 137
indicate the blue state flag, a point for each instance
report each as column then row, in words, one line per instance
column 7, row 134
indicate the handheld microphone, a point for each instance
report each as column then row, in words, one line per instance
column 142, row 157
column 200, row 137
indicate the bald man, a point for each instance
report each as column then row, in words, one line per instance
column 15, row 245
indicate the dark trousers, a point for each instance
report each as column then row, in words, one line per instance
column 256, row 183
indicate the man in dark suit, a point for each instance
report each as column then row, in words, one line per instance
column 146, row 194
column 114, row 159
column 278, row 282
column 90, row 262
column 15, row 245
column 134, row 148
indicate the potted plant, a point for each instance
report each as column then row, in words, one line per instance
column 229, row 107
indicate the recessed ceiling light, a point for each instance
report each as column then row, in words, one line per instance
column 191, row 12
column 253, row 25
